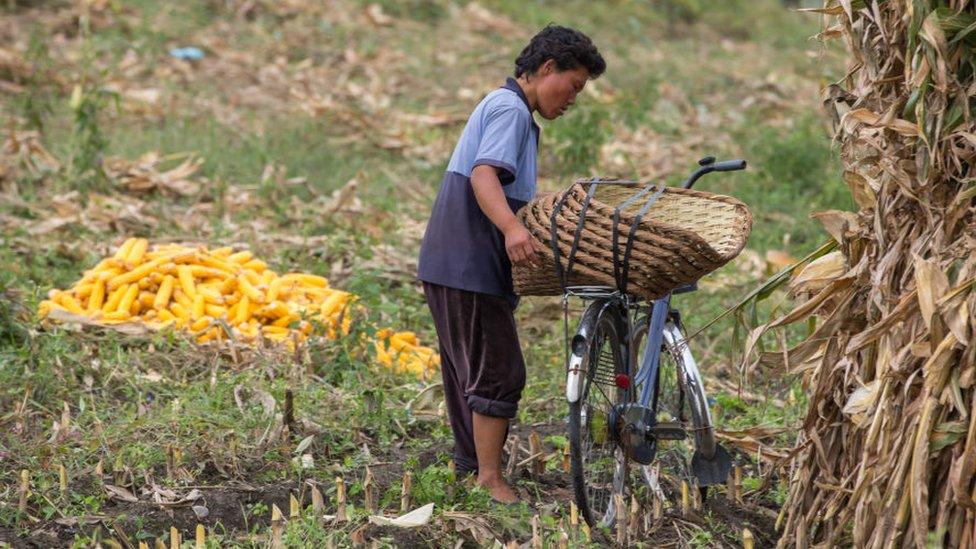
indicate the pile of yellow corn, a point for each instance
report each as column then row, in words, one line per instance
column 403, row 353
column 215, row 294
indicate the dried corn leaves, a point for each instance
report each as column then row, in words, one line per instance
column 889, row 443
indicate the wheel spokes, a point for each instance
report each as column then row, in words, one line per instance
column 603, row 460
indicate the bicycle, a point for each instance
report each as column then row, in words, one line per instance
column 617, row 416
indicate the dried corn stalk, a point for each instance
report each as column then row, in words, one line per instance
column 889, row 441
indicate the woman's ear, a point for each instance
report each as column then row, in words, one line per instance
column 548, row 67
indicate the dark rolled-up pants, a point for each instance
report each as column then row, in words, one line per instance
column 481, row 361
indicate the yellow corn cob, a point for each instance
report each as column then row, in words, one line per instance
column 138, row 250
column 400, row 343
column 285, row 320
column 116, row 316
column 243, row 312
column 216, row 311
column 81, row 291
column 240, row 257
column 276, row 309
column 186, row 280
column 135, row 274
column 45, row 307
column 210, row 294
column 180, row 312
column 210, row 335
column 112, row 303
column 201, row 271
column 227, row 286
column 70, row 303
column 160, row 324
column 97, row 297
column 130, row 295
column 182, row 299
column 255, row 265
column 147, row 299
column 124, row 249
column 250, row 331
column 249, row 290
column 334, row 303
column 200, row 324
column 309, row 279
column 199, row 306
column 274, row 287
column 208, row 260
column 164, row 293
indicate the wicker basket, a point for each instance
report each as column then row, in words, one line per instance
column 681, row 236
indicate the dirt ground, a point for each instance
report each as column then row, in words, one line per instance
column 717, row 522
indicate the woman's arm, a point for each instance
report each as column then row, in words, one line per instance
column 519, row 243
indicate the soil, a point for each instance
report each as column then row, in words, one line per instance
column 228, row 504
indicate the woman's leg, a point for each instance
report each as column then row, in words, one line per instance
column 489, row 439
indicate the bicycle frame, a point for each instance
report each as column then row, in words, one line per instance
column 646, row 376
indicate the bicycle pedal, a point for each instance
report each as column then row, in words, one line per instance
column 668, row 430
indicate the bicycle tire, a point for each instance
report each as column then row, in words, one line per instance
column 677, row 369
column 601, row 326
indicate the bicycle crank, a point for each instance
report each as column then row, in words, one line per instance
column 637, row 431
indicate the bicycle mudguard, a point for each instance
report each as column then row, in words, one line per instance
column 710, row 472
column 574, row 381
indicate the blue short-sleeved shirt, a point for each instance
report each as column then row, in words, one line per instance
column 462, row 248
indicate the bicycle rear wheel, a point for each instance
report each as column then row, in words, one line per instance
column 599, row 466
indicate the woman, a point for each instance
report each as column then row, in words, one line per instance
column 473, row 238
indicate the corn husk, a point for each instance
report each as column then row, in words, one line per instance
column 886, row 453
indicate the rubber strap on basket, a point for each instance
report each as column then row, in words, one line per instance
column 554, row 237
column 614, row 244
column 633, row 232
column 564, row 274
column 579, row 232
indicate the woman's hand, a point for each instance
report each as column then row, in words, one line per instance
column 521, row 246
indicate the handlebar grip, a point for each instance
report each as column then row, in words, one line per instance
column 729, row 165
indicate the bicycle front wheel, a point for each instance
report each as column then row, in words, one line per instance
column 680, row 392
column 599, row 465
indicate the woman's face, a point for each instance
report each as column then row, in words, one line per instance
column 556, row 90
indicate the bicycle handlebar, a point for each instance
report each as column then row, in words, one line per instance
column 729, row 165
column 708, row 165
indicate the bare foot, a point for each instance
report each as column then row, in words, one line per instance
column 498, row 488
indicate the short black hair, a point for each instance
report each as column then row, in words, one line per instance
column 569, row 48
